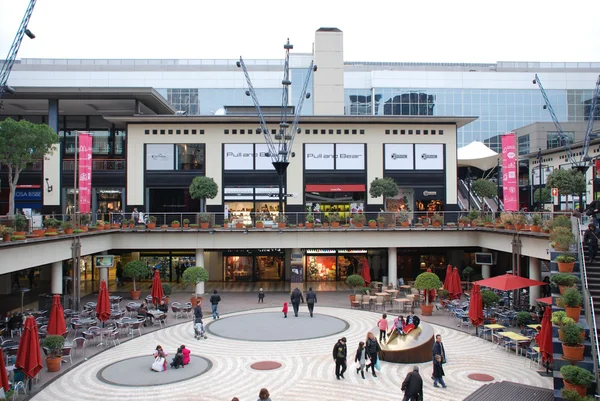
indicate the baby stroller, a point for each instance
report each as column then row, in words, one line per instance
column 199, row 331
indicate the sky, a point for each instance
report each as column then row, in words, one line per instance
column 383, row 30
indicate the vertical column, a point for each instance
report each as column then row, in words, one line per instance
column 200, row 258
column 485, row 269
column 56, row 280
column 103, row 274
column 535, row 273
column 393, row 266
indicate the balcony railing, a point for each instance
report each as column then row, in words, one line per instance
column 99, row 165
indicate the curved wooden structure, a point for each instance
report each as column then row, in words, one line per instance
column 415, row 347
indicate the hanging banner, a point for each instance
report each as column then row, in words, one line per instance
column 509, row 174
column 85, row 172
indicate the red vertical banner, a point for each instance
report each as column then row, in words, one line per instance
column 509, row 174
column 85, row 172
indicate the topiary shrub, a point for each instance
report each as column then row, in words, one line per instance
column 564, row 279
column 572, row 335
column 572, row 298
column 489, row 298
column 484, row 188
column 355, row 280
column 136, row 269
column 577, row 376
column 427, row 281
column 523, row 318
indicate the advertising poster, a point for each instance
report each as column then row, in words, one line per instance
column 509, row 173
column 85, row 172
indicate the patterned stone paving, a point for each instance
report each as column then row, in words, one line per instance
column 307, row 371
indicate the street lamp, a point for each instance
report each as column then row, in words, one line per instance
column 539, row 159
column 469, row 184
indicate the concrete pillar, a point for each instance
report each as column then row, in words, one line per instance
column 392, row 266
column 535, row 273
column 56, row 281
column 103, row 274
column 485, row 269
column 6, row 283
column 200, row 258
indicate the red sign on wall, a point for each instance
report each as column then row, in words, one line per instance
column 85, row 172
column 509, row 173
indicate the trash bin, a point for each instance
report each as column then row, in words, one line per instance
column 385, row 280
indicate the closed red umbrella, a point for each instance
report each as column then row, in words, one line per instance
column 103, row 304
column 448, row 278
column 456, row 286
column 29, row 358
column 476, row 306
column 157, row 290
column 56, row 321
column 366, row 272
column 547, row 300
column 545, row 337
column 508, row 282
column 3, row 377
column 431, row 292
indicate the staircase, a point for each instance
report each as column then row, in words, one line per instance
column 593, row 280
column 463, row 190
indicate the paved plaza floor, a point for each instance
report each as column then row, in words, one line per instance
column 306, row 371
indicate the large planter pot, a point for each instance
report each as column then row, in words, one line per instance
column 281, row 225
column 359, row 225
column 194, row 300
column 335, row 224
column 519, row 227
column 204, row 226
column 186, row 225
column 426, row 310
column 6, row 238
column 54, row 229
column 151, row 226
column 237, row 225
column 260, row 225
column 325, row 225
column 53, row 363
column 536, row 229
column 436, row 224
column 69, row 231
column 404, row 224
column 573, row 313
column 380, row 225
column 135, row 295
column 373, row 224
column 565, row 267
column 573, row 353
column 84, row 229
column 581, row 390
column 310, row 225
column 175, row 225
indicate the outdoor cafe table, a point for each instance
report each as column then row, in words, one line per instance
column 87, row 320
column 381, row 294
column 516, row 337
column 393, row 292
column 403, row 301
column 493, row 327
column 534, row 326
column 405, row 287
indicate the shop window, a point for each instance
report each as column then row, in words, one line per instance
column 321, row 268
column 190, row 156
column 238, row 268
column 269, row 267
column 100, row 142
column 348, row 265
column 120, row 139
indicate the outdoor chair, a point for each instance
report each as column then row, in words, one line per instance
column 176, row 309
column 66, row 352
column 358, row 299
column 76, row 327
column 122, row 325
column 532, row 356
column 136, row 326
column 379, row 301
column 114, row 337
column 353, row 302
column 366, row 301
column 187, row 309
column 18, row 386
column 162, row 320
column 79, row 344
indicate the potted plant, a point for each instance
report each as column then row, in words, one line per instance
column 403, row 219
column 464, row 221
column 427, row 282
column 203, row 188
column 572, row 342
column 489, row 299
column 519, row 221
column 385, row 187
column 572, row 395
column 20, row 223
column 572, row 300
column 467, row 272
column 325, row 221
column 523, row 318
column 334, row 219
column 563, row 281
column 68, row 227
column 186, row 223
column 196, row 275
column 561, row 238
column 85, row 219
column 131, row 223
column 380, row 221
column 54, row 345
column 372, row 223
column 355, row 280
column 51, row 224
column 359, row 220
column 175, row 224
column 437, row 220
column 576, row 378
column 204, row 219
column 260, row 224
column 167, row 290
column 136, row 269
column 309, row 220
column 281, row 220
column 152, row 222
column 565, row 263
column 508, row 220
column 7, row 233
column 195, row 226
column 536, row 223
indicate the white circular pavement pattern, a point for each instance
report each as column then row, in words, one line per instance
column 307, row 372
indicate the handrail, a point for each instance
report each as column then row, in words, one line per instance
column 581, row 254
column 594, row 338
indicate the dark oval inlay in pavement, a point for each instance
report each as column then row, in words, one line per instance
column 272, row 326
column 480, row 377
column 265, row 365
column 135, row 372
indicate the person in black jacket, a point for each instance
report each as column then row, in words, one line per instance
column 311, row 300
column 214, row 301
column 413, row 386
column 373, row 349
column 590, row 238
column 296, row 298
column 438, row 349
column 339, row 356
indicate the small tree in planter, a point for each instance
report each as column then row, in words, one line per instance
column 467, row 273
column 136, row 269
column 359, row 219
column 186, row 223
column 334, row 219
column 572, row 301
column 309, row 220
column 54, row 345
column 565, row 263
column 572, row 395
column 489, row 299
column 563, row 281
column 561, row 238
column 204, row 219
column 403, row 219
column 427, row 282
column 572, row 341
column 196, row 275
column 68, row 227
column 203, row 188
column 536, row 223
column 576, row 378
column 437, row 220
column 484, row 188
column 355, row 280
column 152, row 222
column 385, row 187
column 523, row 318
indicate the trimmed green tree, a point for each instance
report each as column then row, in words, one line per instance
column 484, row 188
column 568, row 182
column 355, row 280
column 203, row 187
column 385, row 187
column 546, row 195
column 136, row 269
column 196, row 275
column 427, row 281
column 23, row 143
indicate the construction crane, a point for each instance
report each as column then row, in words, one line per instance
column 14, row 49
column 280, row 142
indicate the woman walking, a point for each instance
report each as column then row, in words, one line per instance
column 361, row 358
column 372, row 347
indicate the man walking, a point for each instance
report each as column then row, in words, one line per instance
column 339, row 356
column 413, row 386
column 214, row 301
column 296, row 298
column 438, row 349
column 311, row 300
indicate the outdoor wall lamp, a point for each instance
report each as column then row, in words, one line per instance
column 48, row 186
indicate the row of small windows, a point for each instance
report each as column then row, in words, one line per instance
column 177, row 132
column 337, row 131
column 415, row 132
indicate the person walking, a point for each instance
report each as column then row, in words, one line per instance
column 438, row 372
column 119, row 274
column 296, row 298
column 383, row 326
column 215, row 298
column 438, row 349
column 373, row 349
column 413, row 386
column 361, row 358
column 311, row 300
column 590, row 238
column 31, row 277
column 340, row 352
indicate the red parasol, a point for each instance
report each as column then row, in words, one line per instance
column 56, row 321
column 455, row 286
column 476, row 306
column 545, row 336
column 431, row 292
column 508, row 282
column 103, row 305
column 365, row 273
column 547, row 300
column 448, row 278
column 29, row 358
column 157, row 290
column 3, row 377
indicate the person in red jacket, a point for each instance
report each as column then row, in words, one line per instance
column 186, row 355
column 285, row 309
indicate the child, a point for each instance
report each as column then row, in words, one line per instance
column 361, row 358
column 178, row 359
column 285, row 309
column 261, row 296
column 383, row 326
column 438, row 372
column 400, row 325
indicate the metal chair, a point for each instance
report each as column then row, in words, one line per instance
column 79, row 344
column 67, row 352
column 379, row 301
column 366, row 300
column 114, row 337
column 176, row 309
column 136, row 326
column 162, row 320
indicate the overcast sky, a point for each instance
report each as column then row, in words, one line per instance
column 381, row 30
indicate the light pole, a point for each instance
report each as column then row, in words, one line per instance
column 469, row 185
column 539, row 158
